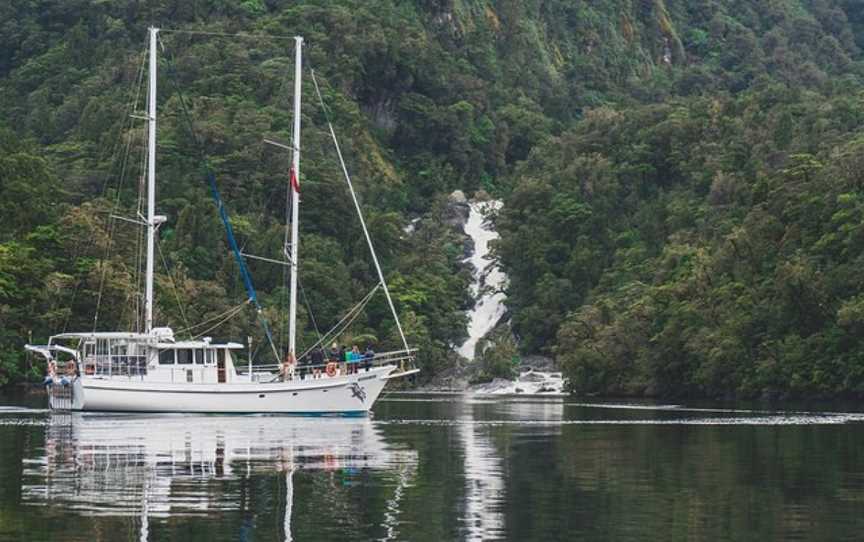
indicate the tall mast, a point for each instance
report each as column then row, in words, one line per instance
column 152, row 223
column 295, row 198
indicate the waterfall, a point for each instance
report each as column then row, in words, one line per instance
column 489, row 308
column 488, row 278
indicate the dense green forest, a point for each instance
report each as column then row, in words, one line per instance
column 682, row 208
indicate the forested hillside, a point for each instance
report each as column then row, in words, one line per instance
column 706, row 244
column 682, row 207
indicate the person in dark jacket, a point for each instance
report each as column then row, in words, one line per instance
column 316, row 361
column 368, row 356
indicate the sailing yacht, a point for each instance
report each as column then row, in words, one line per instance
column 154, row 371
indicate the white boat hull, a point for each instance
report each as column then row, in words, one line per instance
column 342, row 395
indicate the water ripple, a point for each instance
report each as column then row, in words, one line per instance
column 810, row 419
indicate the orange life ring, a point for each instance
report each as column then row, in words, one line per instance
column 331, row 369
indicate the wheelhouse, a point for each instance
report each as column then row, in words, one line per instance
column 156, row 356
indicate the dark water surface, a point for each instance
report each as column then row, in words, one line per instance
column 435, row 467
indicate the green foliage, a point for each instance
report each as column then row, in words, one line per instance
column 722, row 250
column 682, row 178
column 498, row 355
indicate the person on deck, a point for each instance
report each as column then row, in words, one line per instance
column 348, row 356
column 71, row 373
column 317, row 361
column 356, row 358
column 343, row 359
column 51, row 374
column 368, row 356
column 288, row 367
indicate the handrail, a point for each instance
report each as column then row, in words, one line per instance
column 384, row 358
column 114, row 365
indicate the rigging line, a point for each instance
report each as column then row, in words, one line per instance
column 220, row 315
column 130, row 108
column 359, row 309
column 112, row 224
column 140, row 242
column 309, row 310
column 81, row 243
column 173, row 284
column 339, row 328
column 283, row 95
column 356, row 308
column 359, row 211
column 223, row 214
column 283, row 302
column 141, row 287
column 254, row 353
column 236, row 311
column 287, row 264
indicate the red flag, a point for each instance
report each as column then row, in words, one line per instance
column 295, row 184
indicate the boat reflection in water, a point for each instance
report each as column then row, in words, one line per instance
column 157, row 466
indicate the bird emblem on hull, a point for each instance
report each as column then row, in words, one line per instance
column 358, row 392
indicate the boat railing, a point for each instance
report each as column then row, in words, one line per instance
column 400, row 358
column 61, row 396
column 114, row 365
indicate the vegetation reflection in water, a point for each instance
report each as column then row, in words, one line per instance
column 435, row 468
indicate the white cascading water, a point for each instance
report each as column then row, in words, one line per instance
column 486, row 288
column 488, row 278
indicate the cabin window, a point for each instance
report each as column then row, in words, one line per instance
column 184, row 357
column 188, row 375
column 166, row 357
column 199, row 356
column 209, row 357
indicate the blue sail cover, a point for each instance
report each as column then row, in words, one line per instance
column 229, row 231
column 241, row 262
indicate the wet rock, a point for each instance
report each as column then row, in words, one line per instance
column 496, row 386
column 538, row 363
column 467, row 247
column 482, row 195
column 457, row 197
column 383, row 115
column 456, row 211
column 531, row 377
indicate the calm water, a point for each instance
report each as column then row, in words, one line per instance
column 435, row 468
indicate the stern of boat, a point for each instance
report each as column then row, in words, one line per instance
column 66, row 397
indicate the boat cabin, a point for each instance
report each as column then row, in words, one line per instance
column 155, row 357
